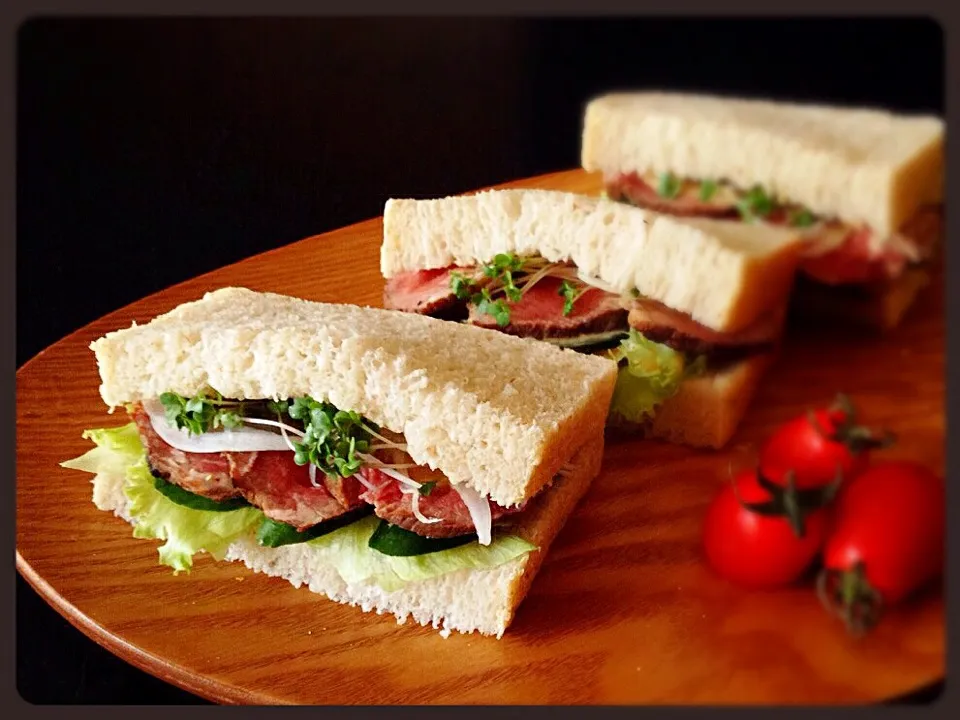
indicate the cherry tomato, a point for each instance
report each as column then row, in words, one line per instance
column 886, row 541
column 818, row 445
column 756, row 535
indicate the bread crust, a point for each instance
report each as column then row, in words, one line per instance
column 724, row 274
column 706, row 410
column 498, row 413
column 861, row 165
column 466, row 601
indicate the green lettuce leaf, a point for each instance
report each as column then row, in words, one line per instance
column 348, row 551
column 120, row 457
column 652, row 374
column 115, row 450
column 185, row 530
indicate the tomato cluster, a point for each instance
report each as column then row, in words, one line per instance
column 876, row 530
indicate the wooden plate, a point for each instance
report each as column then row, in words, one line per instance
column 624, row 610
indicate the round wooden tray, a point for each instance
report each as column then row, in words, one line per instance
column 623, row 611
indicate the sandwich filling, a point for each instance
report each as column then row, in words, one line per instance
column 837, row 253
column 361, row 547
column 306, row 470
column 302, row 463
column 657, row 347
column 293, row 472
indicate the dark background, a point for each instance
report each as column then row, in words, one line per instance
column 150, row 151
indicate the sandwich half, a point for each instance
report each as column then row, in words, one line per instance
column 691, row 310
column 864, row 185
column 390, row 461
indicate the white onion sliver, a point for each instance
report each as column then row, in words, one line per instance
column 901, row 244
column 822, row 239
column 363, row 481
column 284, row 428
column 415, row 505
column 243, row 439
column 479, row 508
column 399, row 477
column 312, row 471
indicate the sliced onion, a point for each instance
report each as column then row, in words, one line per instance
column 479, row 508
column 363, row 481
column 243, row 439
column 407, row 486
column 415, row 505
column 902, row 244
column 312, row 471
column 382, row 467
column 823, row 239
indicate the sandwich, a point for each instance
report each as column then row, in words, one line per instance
column 690, row 310
column 393, row 462
column 864, row 185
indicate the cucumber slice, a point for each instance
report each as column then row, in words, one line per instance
column 272, row 533
column 587, row 340
column 394, row 540
column 187, row 499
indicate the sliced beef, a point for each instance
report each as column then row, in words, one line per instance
column 347, row 491
column 678, row 330
column 282, row 489
column 421, row 291
column 632, row 188
column 443, row 501
column 429, row 292
column 539, row 314
column 855, row 261
column 270, row 480
column 206, row 474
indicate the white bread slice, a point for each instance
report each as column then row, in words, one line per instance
column 724, row 274
column 861, row 165
column 483, row 601
column 497, row 413
column 706, row 410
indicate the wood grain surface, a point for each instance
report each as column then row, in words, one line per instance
column 623, row 611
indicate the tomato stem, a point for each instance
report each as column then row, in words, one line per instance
column 850, row 596
column 857, row 438
column 843, row 405
column 786, row 501
column 791, row 506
